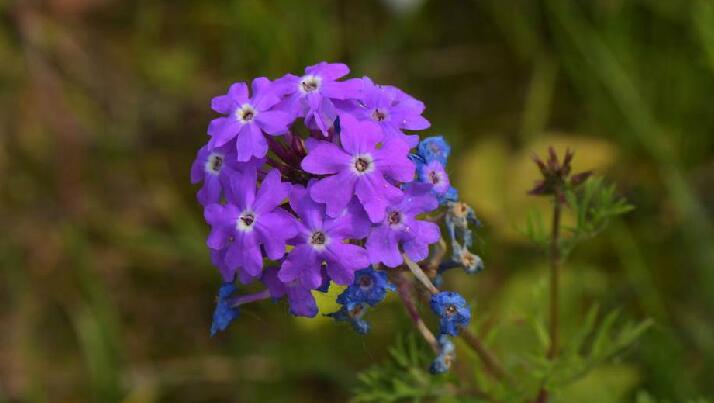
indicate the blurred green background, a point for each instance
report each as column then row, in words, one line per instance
column 106, row 288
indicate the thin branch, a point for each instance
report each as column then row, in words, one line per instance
column 490, row 361
column 420, row 275
column 404, row 290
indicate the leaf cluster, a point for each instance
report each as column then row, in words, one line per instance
column 404, row 377
column 594, row 204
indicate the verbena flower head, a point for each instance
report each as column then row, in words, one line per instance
column 361, row 167
column 247, row 118
column 309, row 179
column 400, row 227
column 453, row 311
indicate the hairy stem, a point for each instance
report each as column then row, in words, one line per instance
column 490, row 361
column 555, row 263
column 555, row 258
column 420, row 275
column 405, row 293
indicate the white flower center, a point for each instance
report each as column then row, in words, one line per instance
column 309, row 83
column 246, row 113
column 246, row 221
column 319, row 240
column 214, row 163
column 362, row 164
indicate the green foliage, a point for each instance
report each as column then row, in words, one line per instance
column 535, row 229
column 595, row 204
column 404, row 377
column 644, row 397
column 592, row 345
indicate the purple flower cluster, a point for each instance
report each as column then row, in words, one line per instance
column 308, row 179
column 312, row 180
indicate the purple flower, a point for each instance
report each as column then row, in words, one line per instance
column 392, row 109
column 300, row 298
column 312, row 94
column 247, row 118
column 434, row 174
column 213, row 166
column 401, row 227
column 321, row 240
column 360, row 167
column 250, row 220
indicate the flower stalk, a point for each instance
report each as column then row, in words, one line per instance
column 491, row 363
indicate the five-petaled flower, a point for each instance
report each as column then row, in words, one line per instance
column 369, row 287
column 400, row 227
column 248, row 118
column 249, row 221
column 392, row 109
column 453, row 311
column 213, row 166
column 322, row 240
column 362, row 167
column 311, row 96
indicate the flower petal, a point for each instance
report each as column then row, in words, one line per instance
column 274, row 229
column 222, row 130
column 272, row 192
column 392, row 159
column 359, row 137
column 250, row 143
column 325, row 158
column 373, row 191
column 383, row 247
column 335, row 191
column 239, row 92
column 274, row 122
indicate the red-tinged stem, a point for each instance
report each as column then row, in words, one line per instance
column 493, row 366
column 404, row 289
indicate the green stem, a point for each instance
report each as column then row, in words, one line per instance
column 555, row 263
column 555, row 258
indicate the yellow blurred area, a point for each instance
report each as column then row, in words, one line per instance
column 494, row 178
